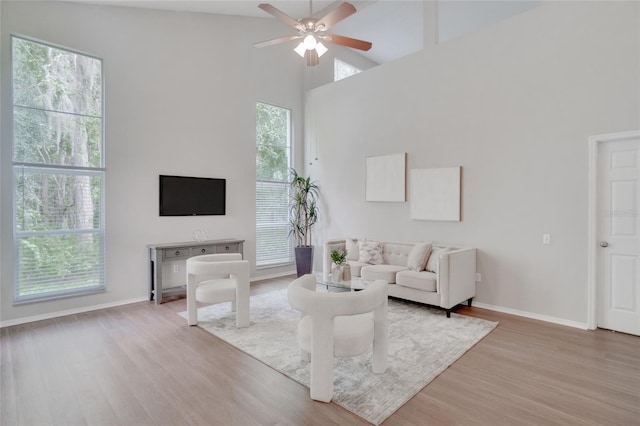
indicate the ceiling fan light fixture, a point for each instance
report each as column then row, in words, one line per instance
column 311, row 55
column 321, row 49
column 300, row 49
column 310, row 42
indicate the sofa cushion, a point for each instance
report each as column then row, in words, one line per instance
column 418, row 256
column 434, row 257
column 381, row 272
column 425, row 281
column 396, row 253
column 370, row 252
column 356, row 267
column 353, row 250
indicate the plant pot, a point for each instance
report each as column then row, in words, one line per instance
column 304, row 260
column 336, row 274
column 346, row 272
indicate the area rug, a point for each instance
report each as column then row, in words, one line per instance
column 423, row 342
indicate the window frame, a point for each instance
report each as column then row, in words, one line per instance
column 45, row 168
column 290, row 158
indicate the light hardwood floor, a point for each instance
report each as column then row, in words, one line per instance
column 141, row 365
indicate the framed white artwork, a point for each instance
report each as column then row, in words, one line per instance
column 386, row 178
column 435, row 194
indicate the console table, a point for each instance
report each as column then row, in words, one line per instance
column 159, row 253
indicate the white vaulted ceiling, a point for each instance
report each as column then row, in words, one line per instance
column 393, row 26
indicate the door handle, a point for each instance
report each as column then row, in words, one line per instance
column 604, row 244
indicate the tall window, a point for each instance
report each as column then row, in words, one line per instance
column 343, row 70
column 273, row 160
column 58, row 172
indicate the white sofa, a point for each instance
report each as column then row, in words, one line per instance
column 450, row 283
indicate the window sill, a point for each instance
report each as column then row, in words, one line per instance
column 49, row 297
column 274, row 265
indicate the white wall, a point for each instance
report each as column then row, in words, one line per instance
column 456, row 18
column 513, row 104
column 2, row 189
column 180, row 93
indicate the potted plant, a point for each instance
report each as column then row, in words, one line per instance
column 303, row 214
column 339, row 258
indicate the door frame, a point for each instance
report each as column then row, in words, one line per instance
column 592, row 233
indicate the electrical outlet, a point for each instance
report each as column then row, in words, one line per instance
column 478, row 277
column 176, row 268
column 546, row 239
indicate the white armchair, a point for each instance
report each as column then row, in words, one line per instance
column 217, row 278
column 339, row 325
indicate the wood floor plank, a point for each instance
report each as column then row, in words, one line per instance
column 140, row 364
column 8, row 408
column 146, row 380
column 30, row 390
column 62, row 393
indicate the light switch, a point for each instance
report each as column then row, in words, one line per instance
column 546, row 239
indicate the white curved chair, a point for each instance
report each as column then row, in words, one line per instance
column 217, row 278
column 339, row 325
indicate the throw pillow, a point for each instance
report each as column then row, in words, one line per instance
column 432, row 263
column 353, row 250
column 418, row 256
column 370, row 252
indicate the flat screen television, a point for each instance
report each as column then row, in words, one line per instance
column 192, row 196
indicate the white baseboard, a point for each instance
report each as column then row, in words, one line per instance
column 57, row 314
column 531, row 315
column 268, row 277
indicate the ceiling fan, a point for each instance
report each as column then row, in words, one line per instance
column 313, row 32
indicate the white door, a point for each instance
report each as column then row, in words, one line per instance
column 618, row 257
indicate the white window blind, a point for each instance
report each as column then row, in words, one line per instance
column 58, row 172
column 272, row 231
column 273, row 160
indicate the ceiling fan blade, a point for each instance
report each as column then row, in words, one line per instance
column 312, row 58
column 353, row 43
column 276, row 41
column 336, row 15
column 271, row 10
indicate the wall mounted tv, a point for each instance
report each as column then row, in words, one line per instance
column 192, row 196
